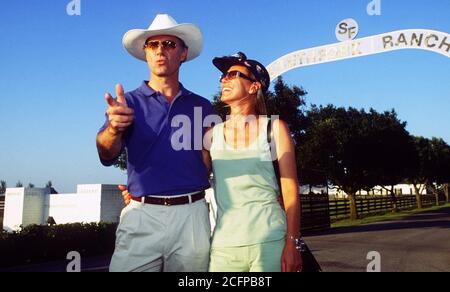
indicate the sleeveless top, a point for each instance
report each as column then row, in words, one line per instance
column 246, row 191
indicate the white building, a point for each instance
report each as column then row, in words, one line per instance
column 91, row 203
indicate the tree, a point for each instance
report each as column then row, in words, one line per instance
column 446, row 192
column 423, row 161
column 219, row 107
column 121, row 162
column 334, row 142
column 49, row 184
column 445, row 172
column 3, row 187
column 19, row 184
column 357, row 149
column 288, row 102
column 391, row 151
column 432, row 160
column 439, row 173
column 30, row 185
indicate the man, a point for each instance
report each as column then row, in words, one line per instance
column 166, row 226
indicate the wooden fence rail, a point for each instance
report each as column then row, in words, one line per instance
column 318, row 211
column 340, row 208
column 315, row 212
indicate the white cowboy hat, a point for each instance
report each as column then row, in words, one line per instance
column 164, row 24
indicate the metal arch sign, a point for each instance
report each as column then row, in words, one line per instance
column 430, row 40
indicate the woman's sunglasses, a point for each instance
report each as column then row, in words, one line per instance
column 235, row 74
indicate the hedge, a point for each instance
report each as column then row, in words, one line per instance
column 37, row 244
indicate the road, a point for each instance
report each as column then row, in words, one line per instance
column 420, row 243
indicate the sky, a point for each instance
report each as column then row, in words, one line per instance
column 55, row 69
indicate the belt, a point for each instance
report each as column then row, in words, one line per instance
column 172, row 201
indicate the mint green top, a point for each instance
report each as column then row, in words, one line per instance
column 246, row 192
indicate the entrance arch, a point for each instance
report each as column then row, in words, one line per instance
column 423, row 39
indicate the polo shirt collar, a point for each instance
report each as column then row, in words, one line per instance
column 149, row 92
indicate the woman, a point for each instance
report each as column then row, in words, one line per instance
column 253, row 233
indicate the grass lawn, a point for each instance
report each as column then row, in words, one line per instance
column 386, row 217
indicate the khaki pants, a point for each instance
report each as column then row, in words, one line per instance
column 154, row 238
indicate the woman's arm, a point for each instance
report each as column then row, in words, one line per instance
column 291, row 259
column 207, row 160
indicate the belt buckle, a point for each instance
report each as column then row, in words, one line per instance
column 167, row 202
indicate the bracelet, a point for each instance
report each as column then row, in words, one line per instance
column 292, row 237
column 299, row 242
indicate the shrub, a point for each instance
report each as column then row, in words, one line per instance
column 37, row 244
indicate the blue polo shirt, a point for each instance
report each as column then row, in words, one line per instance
column 155, row 166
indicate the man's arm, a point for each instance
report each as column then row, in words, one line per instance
column 120, row 117
column 109, row 144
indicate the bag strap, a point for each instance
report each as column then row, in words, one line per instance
column 276, row 166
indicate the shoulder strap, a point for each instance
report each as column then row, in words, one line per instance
column 276, row 167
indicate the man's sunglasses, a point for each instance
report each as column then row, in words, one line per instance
column 166, row 45
column 235, row 74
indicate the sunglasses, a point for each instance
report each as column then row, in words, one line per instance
column 166, row 45
column 235, row 74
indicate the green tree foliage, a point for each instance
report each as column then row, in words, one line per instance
column 390, row 149
column 121, row 162
column 3, row 187
column 423, row 159
column 440, row 171
column 432, row 169
column 19, row 184
column 355, row 148
column 288, row 102
column 445, row 172
column 219, row 107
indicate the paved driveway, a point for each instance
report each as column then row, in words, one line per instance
column 418, row 243
column 413, row 244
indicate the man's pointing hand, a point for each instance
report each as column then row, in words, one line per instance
column 119, row 114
